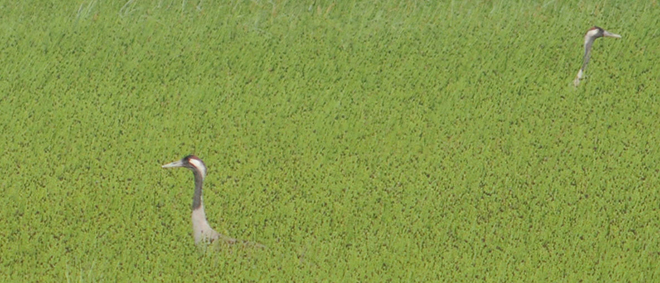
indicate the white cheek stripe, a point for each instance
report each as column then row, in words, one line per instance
column 199, row 165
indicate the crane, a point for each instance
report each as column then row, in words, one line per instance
column 589, row 38
column 202, row 231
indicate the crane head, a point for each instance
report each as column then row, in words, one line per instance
column 191, row 162
column 596, row 32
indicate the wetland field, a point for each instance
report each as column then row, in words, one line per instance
column 368, row 141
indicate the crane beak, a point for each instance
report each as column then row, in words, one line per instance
column 609, row 34
column 174, row 164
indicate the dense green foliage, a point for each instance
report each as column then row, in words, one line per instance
column 361, row 140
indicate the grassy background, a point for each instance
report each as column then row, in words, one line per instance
column 358, row 140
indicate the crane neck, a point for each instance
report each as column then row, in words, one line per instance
column 197, row 197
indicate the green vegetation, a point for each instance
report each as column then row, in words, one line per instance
column 358, row 140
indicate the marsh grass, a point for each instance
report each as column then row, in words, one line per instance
column 358, row 140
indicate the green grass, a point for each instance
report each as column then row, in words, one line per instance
column 358, row 140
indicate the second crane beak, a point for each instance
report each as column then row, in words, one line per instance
column 609, row 34
column 174, row 164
